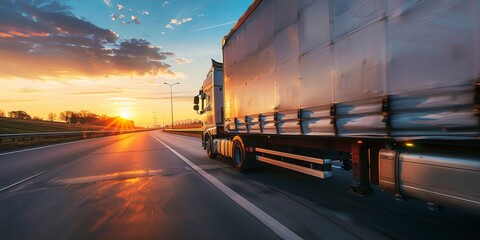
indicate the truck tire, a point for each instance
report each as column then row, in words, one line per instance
column 238, row 156
column 242, row 160
column 209, row 146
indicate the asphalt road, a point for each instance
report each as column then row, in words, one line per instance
column 153, row 185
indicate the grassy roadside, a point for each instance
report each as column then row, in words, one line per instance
column 7, row 147
column 10, row 125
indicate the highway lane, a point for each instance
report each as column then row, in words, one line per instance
column 305, row 203
column 107, row 194
column 18, row 165
column 136, row 187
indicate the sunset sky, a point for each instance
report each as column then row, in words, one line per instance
column 110, row 56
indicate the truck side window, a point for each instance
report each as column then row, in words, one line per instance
column 208, row 99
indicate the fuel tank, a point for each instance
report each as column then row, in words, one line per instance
column 434, row 177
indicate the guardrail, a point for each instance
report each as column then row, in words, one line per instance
column 15, row 138
column 195, row 132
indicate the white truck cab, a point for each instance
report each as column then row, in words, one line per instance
column 209, row 103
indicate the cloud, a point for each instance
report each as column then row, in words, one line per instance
column 7, row 100
column 189, row 93
column 187, row 98
column 135, row 20
column 151, row 98
column 49, row 41
column 177, row 22
column 125, row 103
column 152, row 82
column 215, row 26
column 117, row 98
column 27, row 90
column 120, row 7
column 176, row 75
column 180, row 21
column 97, row 93
column 183, row 60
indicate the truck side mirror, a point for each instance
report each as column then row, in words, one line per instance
column 196, row 100
column 195, row 107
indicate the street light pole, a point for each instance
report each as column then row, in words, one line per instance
column 171, row 99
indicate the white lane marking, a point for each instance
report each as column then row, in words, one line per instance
column 22, row 181
column 278, row 228
column 337, row 167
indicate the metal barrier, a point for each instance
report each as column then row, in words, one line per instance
column 194, row 132
column 30, row 137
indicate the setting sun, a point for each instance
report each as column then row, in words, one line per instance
column 125, row 113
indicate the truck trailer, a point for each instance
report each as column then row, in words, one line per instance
column 391, row 89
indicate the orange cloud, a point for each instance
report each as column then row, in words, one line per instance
column 49, row 42
column 15, row 33
column 5, row 35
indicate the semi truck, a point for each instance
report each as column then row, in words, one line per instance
column 390, row 89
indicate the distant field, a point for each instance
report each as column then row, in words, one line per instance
column 10, row 125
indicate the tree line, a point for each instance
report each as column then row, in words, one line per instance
column 72, row 117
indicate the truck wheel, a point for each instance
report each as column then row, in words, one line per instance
column 211, row 154
column 239, row 160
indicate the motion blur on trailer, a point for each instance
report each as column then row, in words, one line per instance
column 391, row 89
